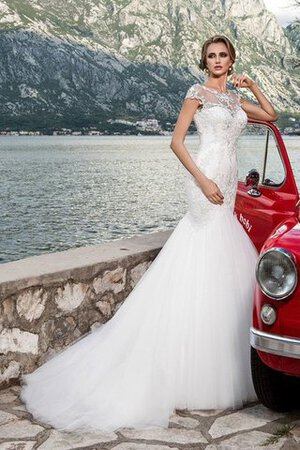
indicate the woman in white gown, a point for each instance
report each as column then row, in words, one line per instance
column 181, row 338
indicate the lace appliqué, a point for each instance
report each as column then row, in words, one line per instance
column 209, row 97
column 219, row 123
column 195, row 92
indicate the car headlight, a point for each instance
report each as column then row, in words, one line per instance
column 276, row 273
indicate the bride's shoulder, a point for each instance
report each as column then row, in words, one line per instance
column 197, row 86
column 195, row 91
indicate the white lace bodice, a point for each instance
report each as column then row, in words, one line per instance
column 219, row 121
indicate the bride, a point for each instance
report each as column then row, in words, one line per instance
column 181, row 338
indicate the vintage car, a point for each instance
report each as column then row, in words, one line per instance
column 267, row 204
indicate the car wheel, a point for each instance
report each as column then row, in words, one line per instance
column 274, row 389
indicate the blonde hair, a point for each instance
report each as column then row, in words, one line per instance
column 213, row 40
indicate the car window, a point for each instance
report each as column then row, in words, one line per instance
column 292, row 144
column 257, row 149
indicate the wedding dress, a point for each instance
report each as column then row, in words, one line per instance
column 181, row 338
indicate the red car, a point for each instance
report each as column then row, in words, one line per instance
column 267, row 205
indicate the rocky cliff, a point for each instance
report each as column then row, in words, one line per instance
column 83, row 61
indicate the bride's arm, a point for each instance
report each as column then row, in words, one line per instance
column 184, row 120
column 263, row 112
column 208, row 187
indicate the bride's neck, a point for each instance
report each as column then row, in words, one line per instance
column 217, row 83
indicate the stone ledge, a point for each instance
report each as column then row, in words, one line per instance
column 49, row 301
column 52, row 266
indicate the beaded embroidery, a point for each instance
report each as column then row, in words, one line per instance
column 210, row 97
column 219, row 123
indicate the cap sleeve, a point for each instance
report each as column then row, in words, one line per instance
column 195, row 92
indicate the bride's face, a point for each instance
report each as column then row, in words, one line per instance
column 218, row 59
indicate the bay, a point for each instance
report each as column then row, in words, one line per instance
column 61, row 192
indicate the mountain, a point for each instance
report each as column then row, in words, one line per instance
column 292, row 32
column 78, row 62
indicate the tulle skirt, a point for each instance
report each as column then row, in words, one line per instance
column 180, row 340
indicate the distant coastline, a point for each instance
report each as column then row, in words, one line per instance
column 111, row 127
column 287, row 131
column 288, row 124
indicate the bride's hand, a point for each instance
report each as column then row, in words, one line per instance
column 241, row 81
column 211, row 190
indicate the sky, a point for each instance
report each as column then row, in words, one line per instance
column 283, row 11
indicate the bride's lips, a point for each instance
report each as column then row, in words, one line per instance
column 218, row 67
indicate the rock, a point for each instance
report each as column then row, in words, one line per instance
column 245, row 419
column 138, row 271
column 31, row 304
column 185, row 422
column 247, row 441
column 6, row 417
column 15, row 340
column 20, row 408
column 86, row 317
column 53, row 330
column 7, row 396
column 47, row 334
column 17, row 445
column 63, row 326
column 174, row 435
column 113, row 280
column 58, row 440
column 10, row 372
column 47, row 355
column 133, row 46
column 140, row 446
column 70, row 296
column 104, row 308
column 8, row 311
column 16, row 389
column 296, row 431
column 19, row 429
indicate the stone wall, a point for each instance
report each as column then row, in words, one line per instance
column 49, row 301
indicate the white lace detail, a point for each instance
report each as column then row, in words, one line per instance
column 211, row 97
column 219, row 123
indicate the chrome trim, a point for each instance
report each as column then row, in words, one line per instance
column 276, row 345
column 293, row 261
column 280, row 155
column 262, row 314
column 252, row 179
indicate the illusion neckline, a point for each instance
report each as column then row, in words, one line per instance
column 215, row 90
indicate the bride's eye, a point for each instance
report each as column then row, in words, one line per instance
column 222, row 54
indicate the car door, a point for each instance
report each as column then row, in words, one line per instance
column 262, row 156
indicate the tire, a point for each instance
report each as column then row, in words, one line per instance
column 274, row 389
